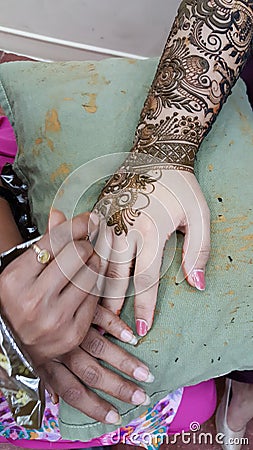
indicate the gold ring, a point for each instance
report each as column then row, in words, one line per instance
column 43, row 255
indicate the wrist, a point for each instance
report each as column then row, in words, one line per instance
column 16, row 371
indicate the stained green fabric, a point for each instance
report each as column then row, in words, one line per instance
column 65, row 114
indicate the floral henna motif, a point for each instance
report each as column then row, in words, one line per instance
column 205, row 52
column 117, row 200
column 202, row 59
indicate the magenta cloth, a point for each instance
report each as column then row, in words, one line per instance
column 8, row 145
column 197, row 406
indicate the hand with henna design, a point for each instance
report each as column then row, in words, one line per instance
column 166, row 202
column 155, row 192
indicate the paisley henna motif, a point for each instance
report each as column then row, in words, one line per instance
column 117, row 200
column 202, row 59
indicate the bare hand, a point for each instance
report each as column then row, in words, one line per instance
column 72, row 375
column 49, row 306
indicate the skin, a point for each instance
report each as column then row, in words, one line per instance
column 63, row 345
column 149, row 197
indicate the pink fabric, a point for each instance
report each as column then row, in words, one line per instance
column 198, row 405
column 8, row 145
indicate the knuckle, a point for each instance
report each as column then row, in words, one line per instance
column 114, row 271
column 80, row 225
column 96, row 347
column 125, row 364
column 76, row 336
column 204, row 252
column 84, row 249
column 123, row 391
column 145, row 280
column 99, row 314
column 71, row 395
column 142, row 309
column 90, row 375
column 94, row 263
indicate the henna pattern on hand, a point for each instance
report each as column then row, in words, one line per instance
column 120, row 194
column 202, row 59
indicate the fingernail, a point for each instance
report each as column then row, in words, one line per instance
column 140, row 398
column 113, row 417
column 128, row 336
column 142, row 374
column 198, row 277
column 141, row 327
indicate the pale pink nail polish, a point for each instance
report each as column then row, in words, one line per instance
column 198, row 277
column 141, row 327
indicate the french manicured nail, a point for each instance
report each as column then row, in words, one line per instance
column 128, row 336
column 142, row 374
column 198, row 277
column 113, row 417
column 141, row 327
column 140, row 398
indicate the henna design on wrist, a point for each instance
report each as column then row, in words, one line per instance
column 202, row 59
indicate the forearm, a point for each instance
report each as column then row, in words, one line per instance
column 204, row 54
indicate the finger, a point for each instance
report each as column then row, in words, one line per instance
column 113, row 325
column 196, row 248
column 54, row 241
column 103, row 248
column 65, row 266
column 76, row 301
column 55, row 218
column 81, row 285
column 95, row 376
column 83, row 319
column 93, row 227
column 70, row 318
column 101, row 348
column 117, row 276
column 147, row 271
column 63, row 382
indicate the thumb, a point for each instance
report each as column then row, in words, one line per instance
column 196, row 248
column 56, row 217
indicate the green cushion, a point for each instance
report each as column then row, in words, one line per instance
column 66, row 114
